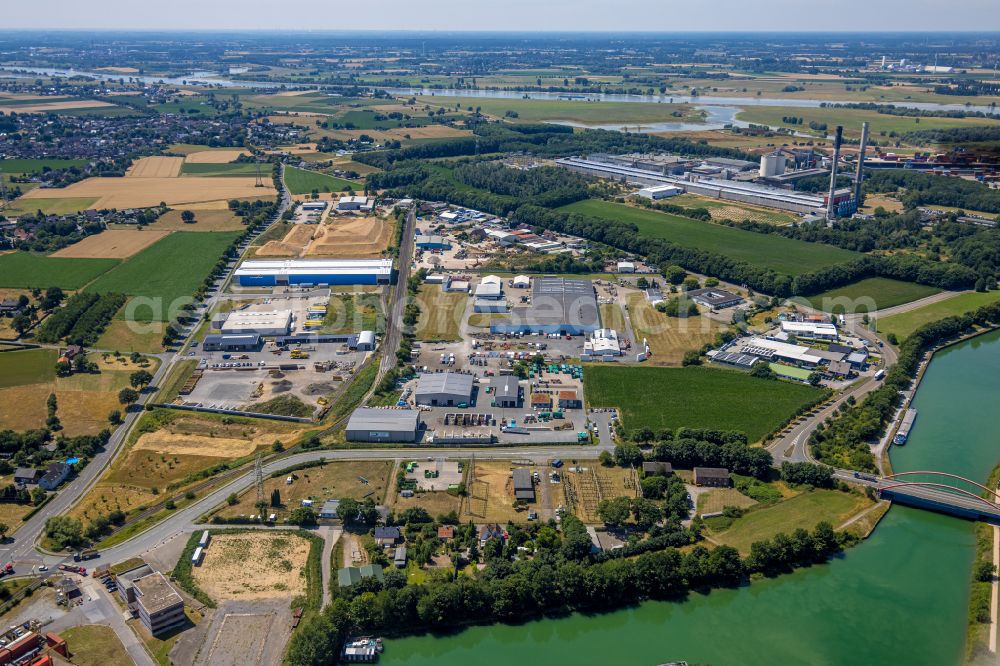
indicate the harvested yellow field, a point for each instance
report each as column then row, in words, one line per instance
column 148, row 192
column 112, row 244
column 82, row 412
column 180, row 443
column 54, row 106
column 294, row 93
column 668, row 337
column 254, row 566
column 155, row 167
column 205, row 219
column 215, row 156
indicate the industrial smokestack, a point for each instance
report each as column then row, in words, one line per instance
column 831, row 208
column 860, row 176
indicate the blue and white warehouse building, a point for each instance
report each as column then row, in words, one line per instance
column 263, row 273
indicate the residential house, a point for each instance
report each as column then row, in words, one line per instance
column 387, row 536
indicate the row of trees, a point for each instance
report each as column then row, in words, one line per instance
column 82, row 320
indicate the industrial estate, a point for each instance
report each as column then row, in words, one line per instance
column 323, row 349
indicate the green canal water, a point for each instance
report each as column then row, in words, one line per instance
column 898, row 598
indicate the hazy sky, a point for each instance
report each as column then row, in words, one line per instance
column 545, row 15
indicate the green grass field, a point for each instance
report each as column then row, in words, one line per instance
column 851, row 119
column 24, row 270
column 870, row 295
column 31, row 366
column 300, row 181
column 577, row 111
column 805, row 511
column 231, row 169
column 906, row 323
column 784, row 255
column 168, row 271
column 694, row 397
column 66, row 206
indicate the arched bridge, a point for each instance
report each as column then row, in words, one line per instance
column 938, row 491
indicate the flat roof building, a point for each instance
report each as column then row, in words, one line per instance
column 567, row 306
column 810, row 329
column 444, row 389
column 383, row 425
column 269, row 273
column 603, row 342
column 159, row 606
column 714, row 298
column 278, row 322
column 355, row 203
column 657, row 192
column 433, row 242
column 232, row 343
column 524, row 488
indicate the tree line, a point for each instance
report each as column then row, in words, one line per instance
column 82, row 320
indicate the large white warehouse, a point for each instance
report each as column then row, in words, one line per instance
column 270, row 273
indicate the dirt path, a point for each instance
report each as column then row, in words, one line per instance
column 330, row 537
column 995, row 591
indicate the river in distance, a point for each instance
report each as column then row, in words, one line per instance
column 898, row 598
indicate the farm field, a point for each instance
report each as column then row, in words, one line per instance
column 224, row 169
column 440, row 313
column 695, row 397
column 733, row 210
column 577, row 111
column 25, row 270
column 155, row 167
column 211, row 156
column 301, row 181
column 221, row 219
column 30, row 366
column 48, row 205
column 53, row 107
column 254, row 565
column 84, row 400
column 906, row 323
column 148, row 192
column 851, row 119
column 805, row 511
column 668, row 337
column 23, row 165
column 170, row 270
column 870, row 295
column 784, row 255
column 112, row 244
column 333, row 480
